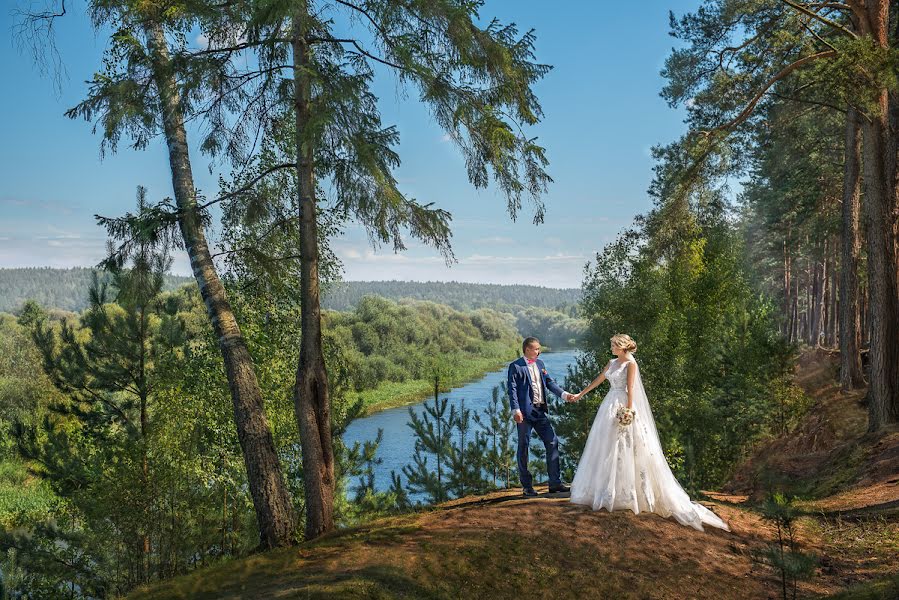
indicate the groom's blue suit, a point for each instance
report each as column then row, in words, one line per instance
column 520, row 396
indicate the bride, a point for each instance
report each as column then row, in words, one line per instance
column 623, row 466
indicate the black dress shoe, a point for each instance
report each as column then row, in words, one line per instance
column 555, row 489
column 529, row 491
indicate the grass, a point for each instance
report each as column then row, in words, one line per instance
column 393, row 394
column 377, row 562
column 882, row 589
column 23, row 499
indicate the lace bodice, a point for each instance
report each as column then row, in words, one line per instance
column 617, row 375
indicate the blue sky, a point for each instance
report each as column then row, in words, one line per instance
column 602, row 109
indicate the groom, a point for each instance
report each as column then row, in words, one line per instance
column 528, row 383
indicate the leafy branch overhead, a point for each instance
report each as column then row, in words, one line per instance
column 739, row 55
column 476, row 79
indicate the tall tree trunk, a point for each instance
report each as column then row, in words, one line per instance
column 818, row 287
column 812, row 291
column 274, row 514
column 884, row 307
column 311, row 394
column 794, row 314
column 833, row 336
column 828, row 294
column 787, row 285
column 850, row 325
column 879, row 164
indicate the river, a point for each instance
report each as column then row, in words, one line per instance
column 398, row 444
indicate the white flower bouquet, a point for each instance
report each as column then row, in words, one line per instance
column 625, row 416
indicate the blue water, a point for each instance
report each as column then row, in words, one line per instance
column 398, row 445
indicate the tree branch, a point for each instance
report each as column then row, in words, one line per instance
column 750, row 107
column 237, row 48
column 371, row 19
column 806, row 11
column 361, row 50
column 249, row 185
column 812, row 102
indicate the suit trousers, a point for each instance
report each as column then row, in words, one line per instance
column 539, row 422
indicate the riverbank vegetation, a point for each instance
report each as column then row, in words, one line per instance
column 127, row 396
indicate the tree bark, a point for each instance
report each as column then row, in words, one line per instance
column 881, row 208
column 274, row 514
column 311, row 393
column 787, row 289
column 884, row 309
column 850, row 324
column 818, row 289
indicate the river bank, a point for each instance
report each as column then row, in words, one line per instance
column 398, row 442
column 405, row 393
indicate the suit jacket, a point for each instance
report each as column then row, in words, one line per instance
column 519, row 384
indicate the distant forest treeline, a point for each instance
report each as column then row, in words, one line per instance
column 549, row 313
column 66, row 289
column 461, row 296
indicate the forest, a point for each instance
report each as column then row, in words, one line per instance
column 551, row 314
column 157, row 435
column 67, row 289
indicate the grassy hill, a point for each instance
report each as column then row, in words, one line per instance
column 505, row 546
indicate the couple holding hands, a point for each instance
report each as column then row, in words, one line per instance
column 622, row 465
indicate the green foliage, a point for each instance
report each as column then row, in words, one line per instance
column 708, row 347
column 126, row 453
column 785, row 555
column 198, row 510
column 388, row 343
column 345, row 295
column 498, row 429
column 24, row 499
column 548, row 313
column 554, row 329
column 467, row 454
column 22, row 383
column 433, row 433
column 64, row 289
column 466, row 460
column 883, row 589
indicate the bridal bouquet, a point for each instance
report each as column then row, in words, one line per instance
column 625, row 416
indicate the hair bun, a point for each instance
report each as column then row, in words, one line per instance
column 625, row 342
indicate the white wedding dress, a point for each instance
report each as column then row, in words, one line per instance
column 624, row 467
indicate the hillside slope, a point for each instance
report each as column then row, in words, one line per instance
column 505, row 546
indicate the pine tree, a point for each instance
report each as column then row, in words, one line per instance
column 433, row 433
column 466, row 457
column 498, row 428
column 105, row 369
column 737, row 57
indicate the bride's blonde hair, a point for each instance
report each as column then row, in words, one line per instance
column 625, row 342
